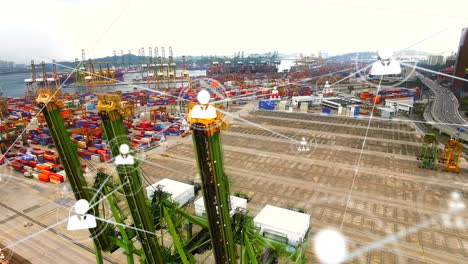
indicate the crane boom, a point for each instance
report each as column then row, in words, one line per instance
column 111, row 111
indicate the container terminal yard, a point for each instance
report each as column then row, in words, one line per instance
column 162, row 156
column 249, row 165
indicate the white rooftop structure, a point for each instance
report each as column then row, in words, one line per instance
column 313, row 99
column 404, row 104
column 180, row 192
column 279, row 223
column 236, row 202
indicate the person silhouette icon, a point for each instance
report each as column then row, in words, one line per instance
column 303, row 145
column 82, row 220
column 274, row 94
column 124, row 158
column 327, row 88
column 203, row 109
column 385, row 65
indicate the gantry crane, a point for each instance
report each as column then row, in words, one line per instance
column 106, row 237
column 159, row 72
column 226, row 232
column 144, row 66
column 48, row 100
column 112, row 111
column 215, row 185
column 110, row 75
column 150, row 67
column 90, row 78
column 171, row 71
column 184, row 75
column 165, row 67
column 160, row 75
column 429, row 152
column 453, row 150
column 31, row 88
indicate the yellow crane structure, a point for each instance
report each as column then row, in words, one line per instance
column 171, row 71
column 160, row 66
column 31, row 89
column 90, row 79
column 150, row 66
column 159, row 110
column 453, row 150
column 110, row 75
column 55, row 74
column 87, row 134
column 184, row 75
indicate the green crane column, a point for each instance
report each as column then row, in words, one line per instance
column 72, row 166
column 215, row 190
column 129, row 176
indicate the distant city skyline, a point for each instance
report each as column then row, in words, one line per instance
column 59, row 29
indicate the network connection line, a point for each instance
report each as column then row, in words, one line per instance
column 38, row 113
column 103, row 184
column 35, row 234
column 435, row 72
column 394, row 237
column 356, row 170
column 351, row 75
column 109, row 194
column 127, row 226
column 159, row 166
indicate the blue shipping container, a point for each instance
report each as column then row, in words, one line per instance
column 356, row 111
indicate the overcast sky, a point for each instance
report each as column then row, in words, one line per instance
column 47, row 29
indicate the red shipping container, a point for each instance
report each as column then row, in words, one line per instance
column 43, row 177
column 43, row 167
column 105, row 157
column 32, row 164
column 56, row 177
column 93, row 149
column 46, row 172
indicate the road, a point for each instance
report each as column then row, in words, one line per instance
column 444, row 109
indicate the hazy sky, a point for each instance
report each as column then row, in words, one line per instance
column 46, row 29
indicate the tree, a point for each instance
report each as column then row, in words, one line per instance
column 350, row 88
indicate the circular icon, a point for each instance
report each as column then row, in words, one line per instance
column 211, row 97
column 83, row 214
column 130, row 156
column 385, row 53
column 303, row 145
column 6, row 247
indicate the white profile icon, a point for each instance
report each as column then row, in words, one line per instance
column 303, row 146
column 82, row 220
column 184, row 126
column 385, row 65
column 203, row 109
column 124, row 158
column 274, row 93
column 327, row 88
